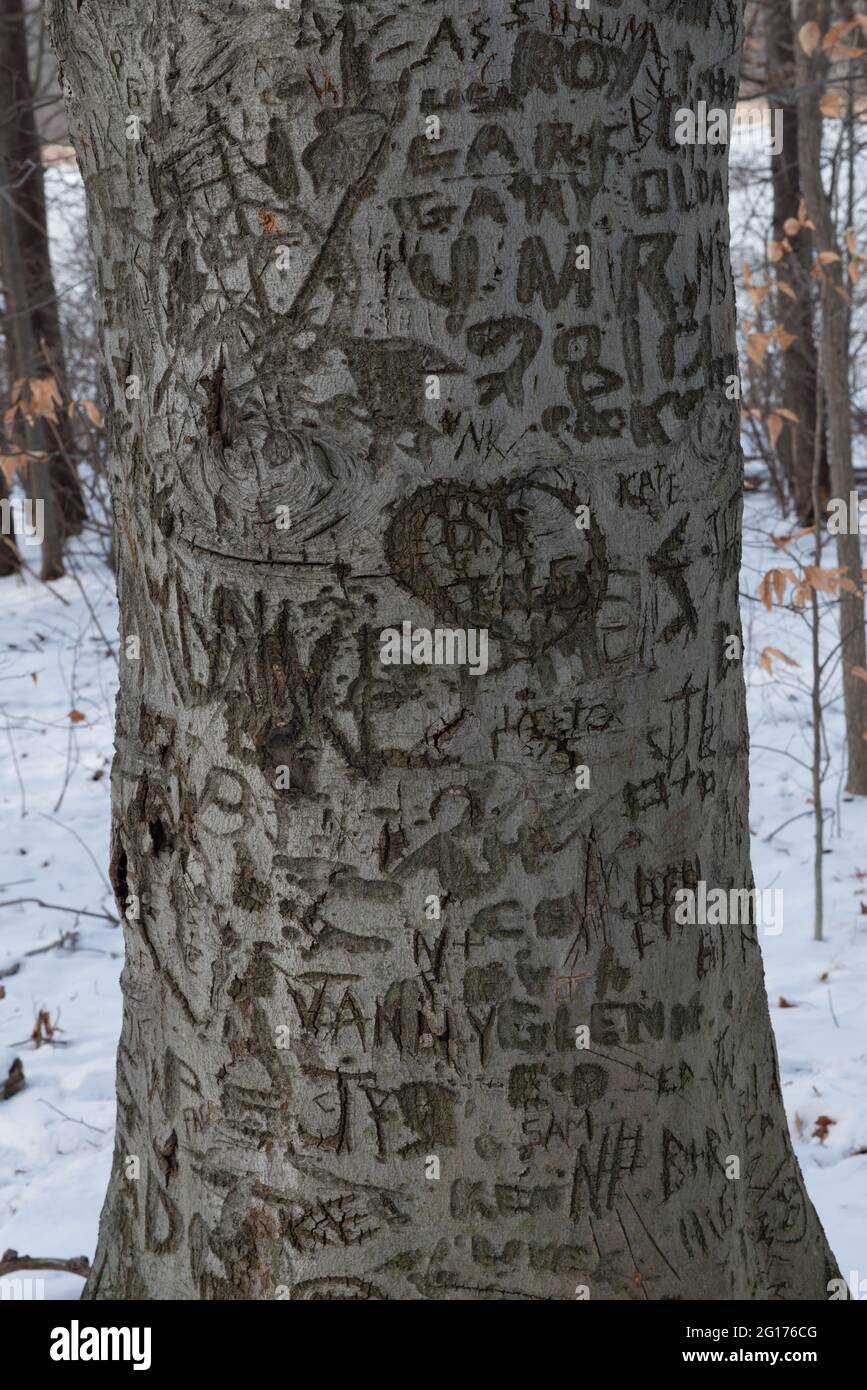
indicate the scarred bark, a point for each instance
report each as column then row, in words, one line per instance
column 300, row 1039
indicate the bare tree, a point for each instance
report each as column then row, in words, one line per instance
column 838, row 402
column 794, row 300
column 419, row 341
column 35, row 295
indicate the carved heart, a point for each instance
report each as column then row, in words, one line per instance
column 506, row 557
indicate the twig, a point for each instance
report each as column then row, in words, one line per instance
column 767, row 838
column 17, row 768
column 831, row 1007
column 88, row 851
column 72, row 1118
column 109, row 648
column 61, row 942
column 55, row 907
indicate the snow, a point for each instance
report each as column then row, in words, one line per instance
column 56, row 1134
column 822, row 1040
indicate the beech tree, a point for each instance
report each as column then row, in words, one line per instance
column 417, row 319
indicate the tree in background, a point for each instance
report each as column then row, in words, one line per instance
column 794, row 308
column 34, row 295
column 816, row 46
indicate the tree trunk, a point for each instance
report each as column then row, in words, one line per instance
column 333, row 1092
column 795, row 446
column 838, row 401
column 10, row 559
column 33, row 430
column 20, row 148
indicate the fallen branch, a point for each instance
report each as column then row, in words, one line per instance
column 11, row 1262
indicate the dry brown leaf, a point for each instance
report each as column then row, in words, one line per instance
column 780, row 541
column 775, row 427
column 791, row 226
column 757, row 346
column 765, row 590
column 43, row 1029
column 832, row 105
column 269, row 222
column 785, row 338
column 787, row 414
column 783, row 1003
column 92, row 411
column 827, row 257
column 44, row 397
column 76, row 717
column 776, row 580
column 837, row 31
column 781, row 656
column 859, row 672
column 823, row 580
column 14, row 1081
column 9, row 467
column 809, row 35
column 776, row 251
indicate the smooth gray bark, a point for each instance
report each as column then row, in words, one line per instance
column 302, row 1168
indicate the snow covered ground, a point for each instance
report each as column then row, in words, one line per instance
column 56, row 1134
column 822, row 1037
